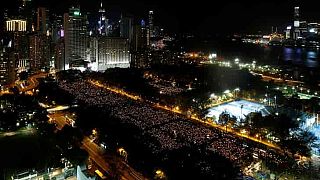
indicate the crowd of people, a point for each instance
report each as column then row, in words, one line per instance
column 166, row 88
column 165, row 130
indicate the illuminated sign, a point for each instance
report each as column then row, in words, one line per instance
column 296, row 23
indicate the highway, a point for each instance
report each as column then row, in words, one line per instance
column 278, row 80
column 96, row 154
column 33, row 82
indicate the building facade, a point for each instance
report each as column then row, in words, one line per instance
column 75, row 35
column 113, row 52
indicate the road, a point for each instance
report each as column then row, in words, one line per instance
column 32, row 82
column 96, row 154
column 59, row 119
column 278, row 80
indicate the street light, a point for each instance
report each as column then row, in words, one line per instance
column 212, row 95
column 123, row 153
column 236, row 90
column 159, row 174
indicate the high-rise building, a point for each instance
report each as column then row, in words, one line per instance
column 93, row 53
column 42, row 20
column 113, row 52
column 28, row 13
column 75, row 35
column 140, row 51
column 139, row 38
column 103, row 22
column 39, row 51
column 151, row 24
column 296, row 22
column 126, row 28
column 7, row 64
column 57, row 30
column 17, row 31
column 59, row 55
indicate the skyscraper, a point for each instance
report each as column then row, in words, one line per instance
column 39, row 51
column 296, row 23
column 151, row 24
column 17, row 31
column 126, row 28
column 75, row 35
column 7, row 65
column 103, row 22
column 42, row 20
column 27, row 11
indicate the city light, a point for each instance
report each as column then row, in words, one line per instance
column 212, row 56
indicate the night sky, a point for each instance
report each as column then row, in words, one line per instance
column 227, row 16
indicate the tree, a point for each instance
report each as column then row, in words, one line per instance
column 307, row 138
column 224, row 119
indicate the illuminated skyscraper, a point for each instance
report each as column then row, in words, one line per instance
column 7, row 64
column 75, row 35
column 103, row 23
column 39, row 51
column 151, row 24
column 296, row 22
column 17, row 32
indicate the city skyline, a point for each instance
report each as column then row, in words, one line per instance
column 159, row 90
column 200, row 18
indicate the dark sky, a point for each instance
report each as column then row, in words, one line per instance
column 200, row 16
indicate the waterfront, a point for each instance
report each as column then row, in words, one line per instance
column 266, row 55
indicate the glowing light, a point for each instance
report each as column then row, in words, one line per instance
column 76, row 13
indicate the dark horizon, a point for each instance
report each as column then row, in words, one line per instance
column 200, row 18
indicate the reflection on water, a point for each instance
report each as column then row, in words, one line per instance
column 301, row 57
column 270, row 55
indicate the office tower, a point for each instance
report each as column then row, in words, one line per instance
column 140, row 49
column 296, row 22
column 42, row 20
column 39, row 51
column 59, row 52
column 113, row 52
column 103, row 22
column 126, row 28
column 93, row 53
column 75, row 35
column 7, row 64
column 139, row 41
column 28, row 13
column 17, row 31
column 151, row 24
column 57, row 30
